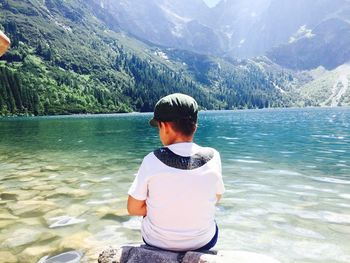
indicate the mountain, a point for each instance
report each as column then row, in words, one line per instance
column 327, row 44
column 239, row 20
column 327, row 87
column 258, row 27
column 67, row 58
column 163, row 22
column 284, row 30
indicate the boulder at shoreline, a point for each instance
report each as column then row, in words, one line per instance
column 147, row 254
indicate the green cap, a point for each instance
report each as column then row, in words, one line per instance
column 174, row 107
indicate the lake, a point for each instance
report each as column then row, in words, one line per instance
column 64, row 182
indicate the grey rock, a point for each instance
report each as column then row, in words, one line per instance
column 146, row 254
column 128, row 254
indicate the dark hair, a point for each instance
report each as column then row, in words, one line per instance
column 186, row 127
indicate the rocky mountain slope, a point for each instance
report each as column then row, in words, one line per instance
column 283, row 29
column 67, row 58
column 327, row 44
column 327, row 87
column 163, row 22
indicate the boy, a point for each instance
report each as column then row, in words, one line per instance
column 4, row 43
column 177, row 186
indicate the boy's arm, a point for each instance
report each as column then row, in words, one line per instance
column 218, row 197
column 136, row 207
column 4, row 43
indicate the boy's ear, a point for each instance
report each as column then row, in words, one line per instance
column 162, row 124
column 167, row 126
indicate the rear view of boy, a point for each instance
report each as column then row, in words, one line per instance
column 177, row 186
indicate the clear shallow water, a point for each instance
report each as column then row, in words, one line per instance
column 63, row 182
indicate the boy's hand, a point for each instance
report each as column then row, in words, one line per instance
column 4, row 43
column 218, row 197
column 136, row 207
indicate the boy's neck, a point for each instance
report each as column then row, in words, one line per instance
column 179, row 140
column 170, row 136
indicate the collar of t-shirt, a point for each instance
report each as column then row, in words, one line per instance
column 184, row 148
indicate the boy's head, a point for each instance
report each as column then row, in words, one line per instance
column 176, row 117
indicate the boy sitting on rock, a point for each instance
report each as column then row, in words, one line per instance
column 177, row 186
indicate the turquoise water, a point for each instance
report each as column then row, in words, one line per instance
column 63, row 182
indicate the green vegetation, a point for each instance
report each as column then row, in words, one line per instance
column 64, row 60
column 245, row 84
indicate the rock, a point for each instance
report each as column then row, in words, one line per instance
column 26, row 179
column 32, row 221
column 33, row 254
column 53, row 213
column 7, row 216
column 44, row 187
column 31, row 207
column 70, row 181
column 76, row 241
column 227, row 257
column 5, row 223
column 7, row 257
column 18, row 195
column 91, row 256
column 108, row 211
column 70, row 256
column 146, row 254
column 8, row 196
column 26, row 236
column 76, row 193
column 21, row 237
column 50, row 168
column 27, row 173
column 77, row 210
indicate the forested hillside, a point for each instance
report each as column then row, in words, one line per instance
column 64, row 60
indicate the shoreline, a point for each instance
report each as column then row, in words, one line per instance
column 146, row 113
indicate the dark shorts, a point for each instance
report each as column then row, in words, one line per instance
column 208, row 246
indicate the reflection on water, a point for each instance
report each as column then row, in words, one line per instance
column 63, row 182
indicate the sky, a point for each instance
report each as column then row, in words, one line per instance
column 211, row 3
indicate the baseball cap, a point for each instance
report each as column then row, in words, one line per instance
column 174, row 107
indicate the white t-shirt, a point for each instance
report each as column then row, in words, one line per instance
column 180, row 203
